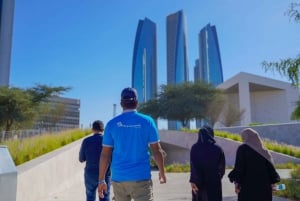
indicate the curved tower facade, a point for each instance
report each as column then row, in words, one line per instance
column 209, row 57
column 177, row 60
column 208, row 67
column 6, row 30
column 144, row 62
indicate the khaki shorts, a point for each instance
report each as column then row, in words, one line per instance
column 136, row 190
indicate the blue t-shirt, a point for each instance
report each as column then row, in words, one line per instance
column 130, row 134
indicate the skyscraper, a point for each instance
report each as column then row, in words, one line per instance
column 177, row 61
column 209, row 64
column 6, row 29
column 208, row 67
column 144, row 62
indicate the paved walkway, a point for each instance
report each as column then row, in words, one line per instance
column 177, row 188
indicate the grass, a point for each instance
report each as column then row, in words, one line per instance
column 292, row 185
column 27, row 149
column 177, row 168
column 271, row 145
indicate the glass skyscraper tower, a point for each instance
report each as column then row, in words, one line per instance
column 6, row 27
column 209, row 66
column 144, row 62
column 177, row 61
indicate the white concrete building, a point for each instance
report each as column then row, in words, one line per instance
column 6, row 32
column 264, row 100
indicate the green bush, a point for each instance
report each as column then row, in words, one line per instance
column 23, row 150
column 177, row 168
column 292, row 190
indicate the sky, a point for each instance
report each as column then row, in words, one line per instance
column 88, row 45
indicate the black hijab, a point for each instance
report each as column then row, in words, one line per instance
column 206, row 135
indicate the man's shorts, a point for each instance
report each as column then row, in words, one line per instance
column 136, row 190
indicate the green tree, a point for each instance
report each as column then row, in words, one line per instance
column 18, row 105
column 181, row 102
column 15, row 106
column 296, row 112
column 293, row 12
column 41, row 92
column 287, row 67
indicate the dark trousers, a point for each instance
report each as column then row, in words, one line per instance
column 91, row 187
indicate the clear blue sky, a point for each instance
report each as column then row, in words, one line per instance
column 88, row 45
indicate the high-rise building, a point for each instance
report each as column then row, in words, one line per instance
column 6, row 29
column 209, row 65
column 144, row 62
column 177, row 60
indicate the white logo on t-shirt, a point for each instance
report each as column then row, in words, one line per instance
column 120, row 124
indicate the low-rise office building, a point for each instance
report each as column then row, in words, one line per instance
column 60, row 113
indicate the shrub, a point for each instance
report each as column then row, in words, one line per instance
column 178, row 168
column 271, row 145
column 292, row 185
column 27, row 149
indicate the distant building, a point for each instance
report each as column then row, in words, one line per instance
column 177, row 59
column 61, row 113
column 208, row 67
column 265, row 100
column 144, row 62
column 6, row 31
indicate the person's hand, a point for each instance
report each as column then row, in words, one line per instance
column 162, row 178
column 102, row 188
column 273, row 186
column 194, row 188
column 237, row 188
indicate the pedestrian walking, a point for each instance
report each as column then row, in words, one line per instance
column 126, row 143
column 89, row 153
column 207, row 161
column 253, row 174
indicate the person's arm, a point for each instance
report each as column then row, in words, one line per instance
column 236, row 174
column 273, row 175
column 159, row 159
column 194, row 177
column 81, row 153
column 105, row 159
column 222, row 164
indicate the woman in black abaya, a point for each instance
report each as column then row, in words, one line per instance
column 207, row 162
column 254, row 174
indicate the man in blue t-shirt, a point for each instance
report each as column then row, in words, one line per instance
column 125, row 144
column 90, row 151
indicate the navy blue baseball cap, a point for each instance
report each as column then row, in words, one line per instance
column 129, row 94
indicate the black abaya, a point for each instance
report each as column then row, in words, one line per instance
column 207, row 168
column 254, row 174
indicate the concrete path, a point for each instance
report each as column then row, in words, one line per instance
column 177, row 188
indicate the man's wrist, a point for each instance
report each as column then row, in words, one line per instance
column 101, row 181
